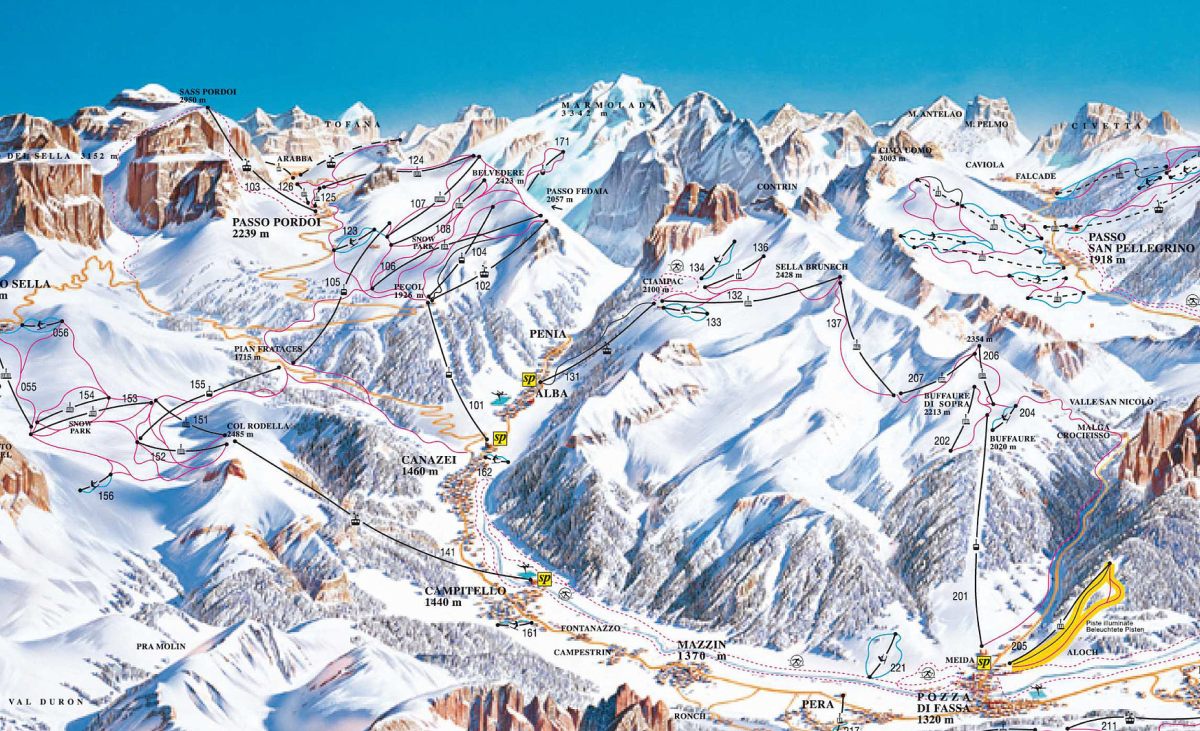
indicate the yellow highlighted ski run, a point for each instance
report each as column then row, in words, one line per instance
column 1082, row 611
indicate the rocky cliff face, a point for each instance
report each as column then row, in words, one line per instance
column 433, row 145
column 700, row 141
column 125, row 116
column 307, row 137
column 1046, row 145
column 1165, row 451
column 184, row 171
column 783, row 123
column 985, row 131
column 46, row 188
column 812, row 204
column 983, row 109
column 697, row 212
column 27, row 133
column 504, row 708
column 101, row 123
column 1096, row 125
column 986, row 313
column 21, row 486
column 472, row 125
column 1165, row 124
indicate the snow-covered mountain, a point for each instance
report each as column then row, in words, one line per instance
column 297, row 136
column 300, row 412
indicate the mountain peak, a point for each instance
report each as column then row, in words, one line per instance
column 783, row 122
column 851, row 120
column 984, row 108
column 472, row 112
column 1101, row 112
column 786, row 114
column 149, row 96
column 943, row 103
column 701, row 102
column 628, row 80
column 1165, row 124
column 156, row 91
column 1099, row 123
column 627, row 88
column 357, row 110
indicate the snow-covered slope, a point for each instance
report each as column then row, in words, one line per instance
column 299, row 414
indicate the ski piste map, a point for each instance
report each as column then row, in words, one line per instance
column 614, row 411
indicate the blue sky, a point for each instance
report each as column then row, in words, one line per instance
column 421, row 62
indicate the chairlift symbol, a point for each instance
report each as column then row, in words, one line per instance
column 995, row 226
column 70, row 409
column 439, row 198
column 749, row 302
column 607, row 350
column 417, row 173
column 180, row 450
column 246, row 166
column 857, row 345
column 355, row 520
